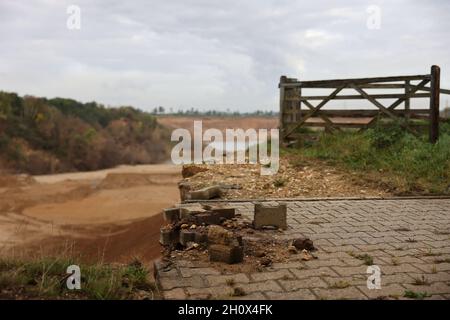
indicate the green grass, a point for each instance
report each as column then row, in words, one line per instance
column 45, row 278
column 405, row 163
column 416, row 295
column 368, row 259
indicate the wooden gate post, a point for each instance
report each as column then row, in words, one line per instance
column 434, row 103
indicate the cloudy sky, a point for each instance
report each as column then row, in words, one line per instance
column 212, row 54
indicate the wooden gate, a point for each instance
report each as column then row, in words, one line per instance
column 293, row 116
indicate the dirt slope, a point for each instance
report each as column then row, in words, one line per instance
column 110, row 214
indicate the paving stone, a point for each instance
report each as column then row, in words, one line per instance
column 189, row 272
column 217, row 292
column 222, row 279
column 392, row 291
column 175, row 294
column 269, row 285
column 170, row 283
column 433, row 288
column 272, row 275
column 350, row 293
column 301, row 294
column 336, row 227
column 314, row 272
column 251, row 296
column 311, row 282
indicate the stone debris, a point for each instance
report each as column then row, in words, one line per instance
column 193, row 226
column 171, row 214
column 293, row 180
column 191, row 170
column 265, row 262
column 306, row 255
column 205, row 193
column 225, row 253
column 184, row 188
column 267, row 215
column 303, row 243
column 215, row 232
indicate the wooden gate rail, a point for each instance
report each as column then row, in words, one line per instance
column 293, row 117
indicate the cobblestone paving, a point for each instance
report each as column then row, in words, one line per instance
column 408, row 239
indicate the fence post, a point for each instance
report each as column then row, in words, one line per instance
column 434, row 103
column 407, row 101
column 283, row 79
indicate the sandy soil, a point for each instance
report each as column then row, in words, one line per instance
column 109, row 214
column 220, row 123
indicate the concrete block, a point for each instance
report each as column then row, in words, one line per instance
column 171, row 214
column 206, row 218
column 227, row 254
column 227, row 213
column 186, row 236
column 200, row 237
column 270, row 215
column 188, row 212
column 168, row 236
column 220, row 235
column 205, row 193
column 184, row 188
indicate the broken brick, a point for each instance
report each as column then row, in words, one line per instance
column 227, row 254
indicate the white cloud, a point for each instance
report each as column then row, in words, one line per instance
column 210, row 54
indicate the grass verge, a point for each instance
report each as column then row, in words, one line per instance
column 45, row 278
column 397, row 160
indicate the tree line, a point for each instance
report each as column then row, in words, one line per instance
column 39, row 135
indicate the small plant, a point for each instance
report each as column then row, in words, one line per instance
column 446, row 260
column 238, row 292
column 416, row 295
column 279, row 182
column 421, row 281
column 430, row 253
column 433, row 269
column 340, row 285
column 411, row 240
column 230, row 282
column 395, row 261
column 402, row 229
column 368, row 260
column 442, row 232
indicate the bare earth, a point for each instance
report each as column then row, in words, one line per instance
column 109, row 214
column 220, row 123
column 312, row 179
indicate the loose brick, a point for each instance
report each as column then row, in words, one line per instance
column 171, row 214
column 270, row 216
column 227, row 254
column 186, row 236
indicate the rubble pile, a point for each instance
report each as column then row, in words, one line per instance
column 218, row 232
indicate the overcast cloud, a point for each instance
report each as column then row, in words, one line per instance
column 211, row 54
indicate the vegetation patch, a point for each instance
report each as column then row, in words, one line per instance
column 46, row 278
column 388, row 156
column 416, row 295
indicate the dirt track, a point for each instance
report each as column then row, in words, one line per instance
column 112, row 215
